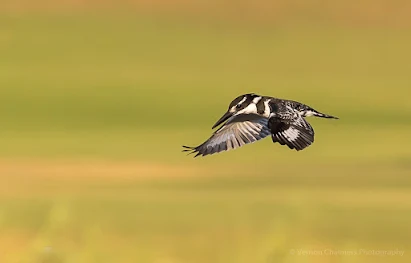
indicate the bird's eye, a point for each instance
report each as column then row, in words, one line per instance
column 238, row 106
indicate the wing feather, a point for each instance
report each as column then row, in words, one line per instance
column 291, row 130
column 236, row 132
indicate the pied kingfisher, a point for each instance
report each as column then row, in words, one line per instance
column 251, row 117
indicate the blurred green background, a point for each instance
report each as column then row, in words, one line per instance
column 96, row 99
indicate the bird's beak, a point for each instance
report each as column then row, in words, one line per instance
column 225, row 117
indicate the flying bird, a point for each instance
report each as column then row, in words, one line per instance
column 251, row 117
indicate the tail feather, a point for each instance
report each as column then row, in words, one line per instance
column 307, row 111
column 322, row 115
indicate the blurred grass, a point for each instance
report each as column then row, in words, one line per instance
column 124, row 93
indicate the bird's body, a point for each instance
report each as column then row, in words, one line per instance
column 252, row 117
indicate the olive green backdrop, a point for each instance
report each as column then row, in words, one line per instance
column 96, row 101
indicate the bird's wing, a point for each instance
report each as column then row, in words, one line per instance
column 291, row 129
column 236, row 132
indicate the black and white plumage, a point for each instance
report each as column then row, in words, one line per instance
column 252, row 117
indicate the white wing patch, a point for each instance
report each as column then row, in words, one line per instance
column 295, row 132
column 291, row 134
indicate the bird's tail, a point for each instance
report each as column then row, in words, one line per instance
column 307, row 111
column 322, row 115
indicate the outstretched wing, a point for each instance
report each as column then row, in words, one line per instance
column 236, row 132
column 291, row 130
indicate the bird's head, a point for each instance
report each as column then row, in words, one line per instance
column 244, row 104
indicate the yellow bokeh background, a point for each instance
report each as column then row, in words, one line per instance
column 97, row 98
